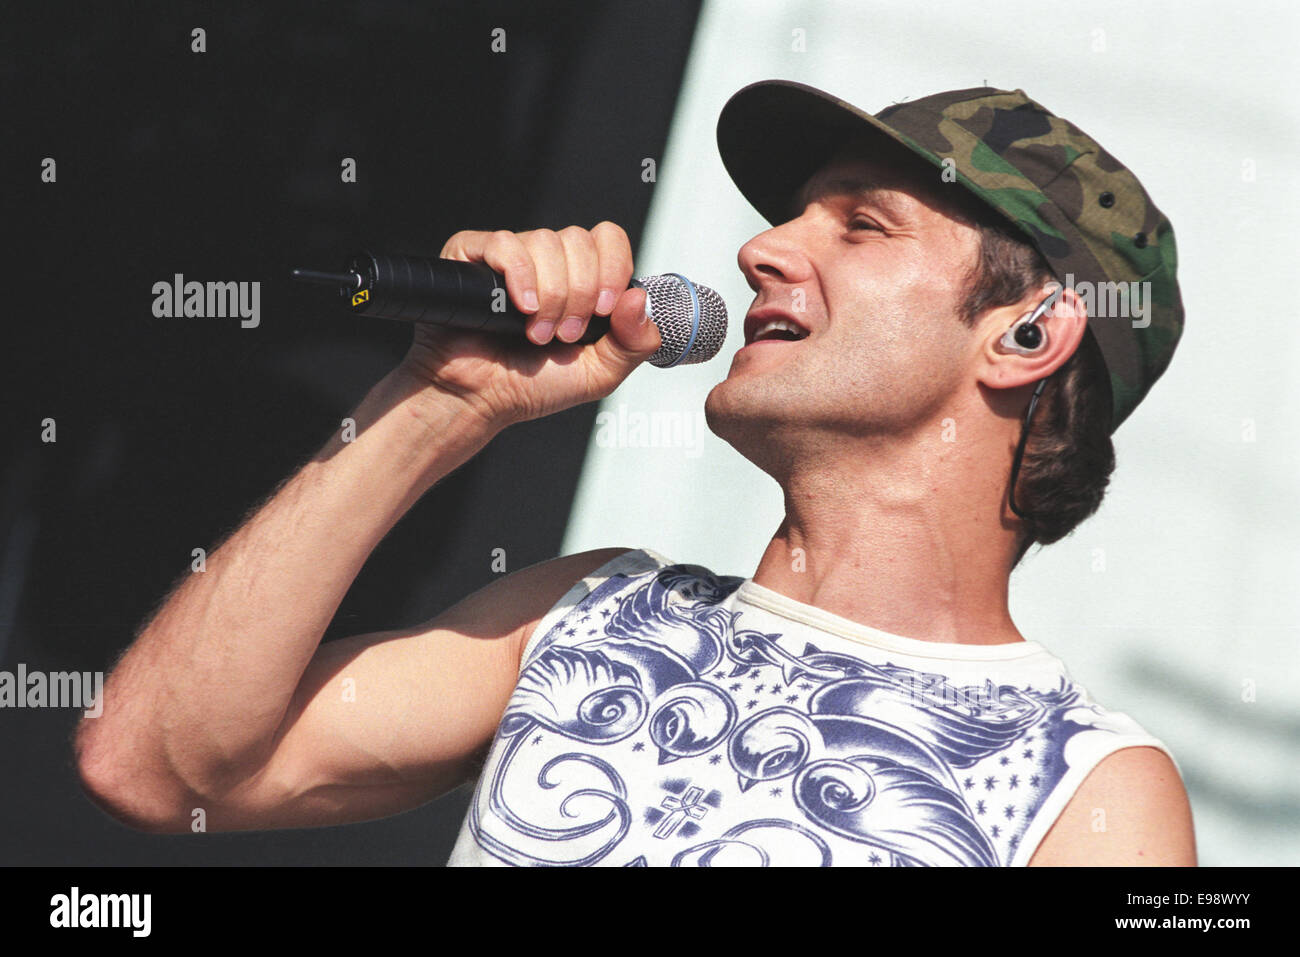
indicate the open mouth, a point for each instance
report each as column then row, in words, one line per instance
column 775, row 330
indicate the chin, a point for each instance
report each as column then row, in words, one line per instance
column 747, row 415
column 716, row 412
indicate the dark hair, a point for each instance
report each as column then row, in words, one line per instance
column 1069, row 455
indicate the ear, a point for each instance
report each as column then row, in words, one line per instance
column 1063, row 326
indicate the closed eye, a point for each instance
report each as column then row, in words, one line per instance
column 859, row 222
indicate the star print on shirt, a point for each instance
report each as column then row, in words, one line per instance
column 1013, row 797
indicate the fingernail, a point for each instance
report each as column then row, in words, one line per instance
column 530, row 300
column 605, row 301
column 570, row 329
column 542, row 331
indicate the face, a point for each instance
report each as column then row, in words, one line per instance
column 872, row 265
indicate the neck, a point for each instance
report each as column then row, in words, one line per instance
column 910, row 539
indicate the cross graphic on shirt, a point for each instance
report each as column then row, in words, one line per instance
column 679, row 809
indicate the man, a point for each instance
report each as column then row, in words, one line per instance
column 865, row 698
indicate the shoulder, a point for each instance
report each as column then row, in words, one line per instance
column 1131, row 809
column 628, row 585
column 542, row 588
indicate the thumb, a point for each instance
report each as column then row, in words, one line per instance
column 632, row 338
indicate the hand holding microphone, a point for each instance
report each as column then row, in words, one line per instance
column 557, row 288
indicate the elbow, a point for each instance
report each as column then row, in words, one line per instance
column 113, row 786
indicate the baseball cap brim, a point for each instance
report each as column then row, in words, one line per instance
column 775, row 134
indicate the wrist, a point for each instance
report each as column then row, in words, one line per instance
column 438, row 406
column 429, row 432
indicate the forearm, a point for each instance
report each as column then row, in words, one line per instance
column 195, row 704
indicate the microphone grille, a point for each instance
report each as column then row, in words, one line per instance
column 692, row 319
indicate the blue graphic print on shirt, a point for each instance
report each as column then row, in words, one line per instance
column 858, row 755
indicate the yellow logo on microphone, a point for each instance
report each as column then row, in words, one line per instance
column 362, row 296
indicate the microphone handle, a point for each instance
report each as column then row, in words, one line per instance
column 445, row 292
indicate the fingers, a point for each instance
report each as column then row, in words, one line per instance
column 559, row 279
column 505, row 252
column 583, row 274
column 632, row 339
column 614, row 269
column 633, row 332
column 547, row 251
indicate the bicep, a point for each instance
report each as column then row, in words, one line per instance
column 1131, row 810
column 381, row 723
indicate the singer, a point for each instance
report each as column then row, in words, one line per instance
column 933, row 398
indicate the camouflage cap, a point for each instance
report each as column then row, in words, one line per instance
column 1084, row 211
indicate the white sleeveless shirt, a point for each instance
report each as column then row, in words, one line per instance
column 667, row 716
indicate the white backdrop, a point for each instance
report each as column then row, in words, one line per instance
column 1178, row 603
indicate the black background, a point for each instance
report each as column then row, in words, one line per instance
column 225, row 166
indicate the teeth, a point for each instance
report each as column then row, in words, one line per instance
column 774, row 324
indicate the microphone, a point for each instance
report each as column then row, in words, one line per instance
column 692, row 319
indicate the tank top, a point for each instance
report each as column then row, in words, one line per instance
column 668, row 716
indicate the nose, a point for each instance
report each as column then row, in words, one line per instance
column 775, row 256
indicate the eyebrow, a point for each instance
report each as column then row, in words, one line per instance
column 858, row 186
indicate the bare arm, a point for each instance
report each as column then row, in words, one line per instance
column 226, row 702
column 195, row 705
column 379, row 723
column 1132, row 810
